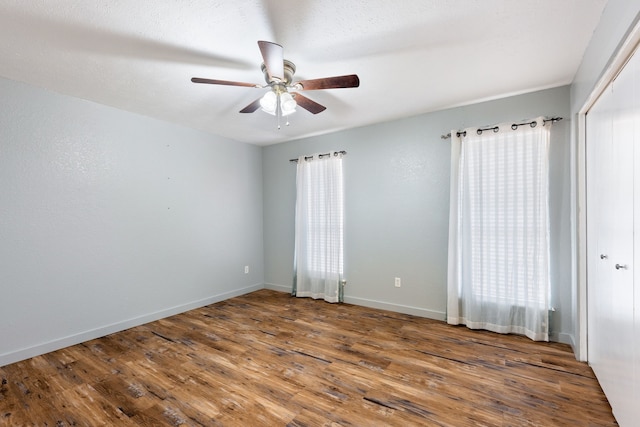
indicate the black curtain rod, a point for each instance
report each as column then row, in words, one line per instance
column 514, row 126
column 320, row 156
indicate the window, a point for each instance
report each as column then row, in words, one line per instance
column 499, row 231
column 319, row 227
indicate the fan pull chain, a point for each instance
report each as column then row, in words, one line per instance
column 278, row 110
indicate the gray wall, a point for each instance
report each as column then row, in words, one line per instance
column 109, row 219
column 397, row 201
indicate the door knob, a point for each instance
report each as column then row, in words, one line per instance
column 621, row 267
column 603, row 256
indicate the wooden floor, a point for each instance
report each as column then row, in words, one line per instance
column 266, row 359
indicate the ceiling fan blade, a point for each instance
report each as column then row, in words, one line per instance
column 222, row 82
column 337, row 82
column 273, row 57
column 308, row 104
column 251, row 107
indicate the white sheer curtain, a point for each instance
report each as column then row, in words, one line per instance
column 498, row 275
column 319, row 227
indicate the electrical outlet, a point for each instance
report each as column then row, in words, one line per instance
column 246, row 269
column 398, row 282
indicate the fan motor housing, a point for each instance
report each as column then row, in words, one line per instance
column 289, row 71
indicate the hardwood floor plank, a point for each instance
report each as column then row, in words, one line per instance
column 268, row 359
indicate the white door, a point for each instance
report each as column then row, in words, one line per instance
column 612, row 125
column 636, row 241
column 599, row 182
column 621, row 217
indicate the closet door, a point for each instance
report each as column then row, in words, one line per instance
column 612, row 128
column 600, row 180
column 636, row 242
column 621, row 220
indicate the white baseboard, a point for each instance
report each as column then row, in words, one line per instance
column 416, row 311
column 279, row 288
column 405, row 309
column 57, row 344
column 564, row 338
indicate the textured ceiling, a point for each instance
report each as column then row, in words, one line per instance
column 412, row 56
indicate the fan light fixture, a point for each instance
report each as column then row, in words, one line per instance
column 278, row 102
column 272, row 100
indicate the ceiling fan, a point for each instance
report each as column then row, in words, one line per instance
column 278, row 73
